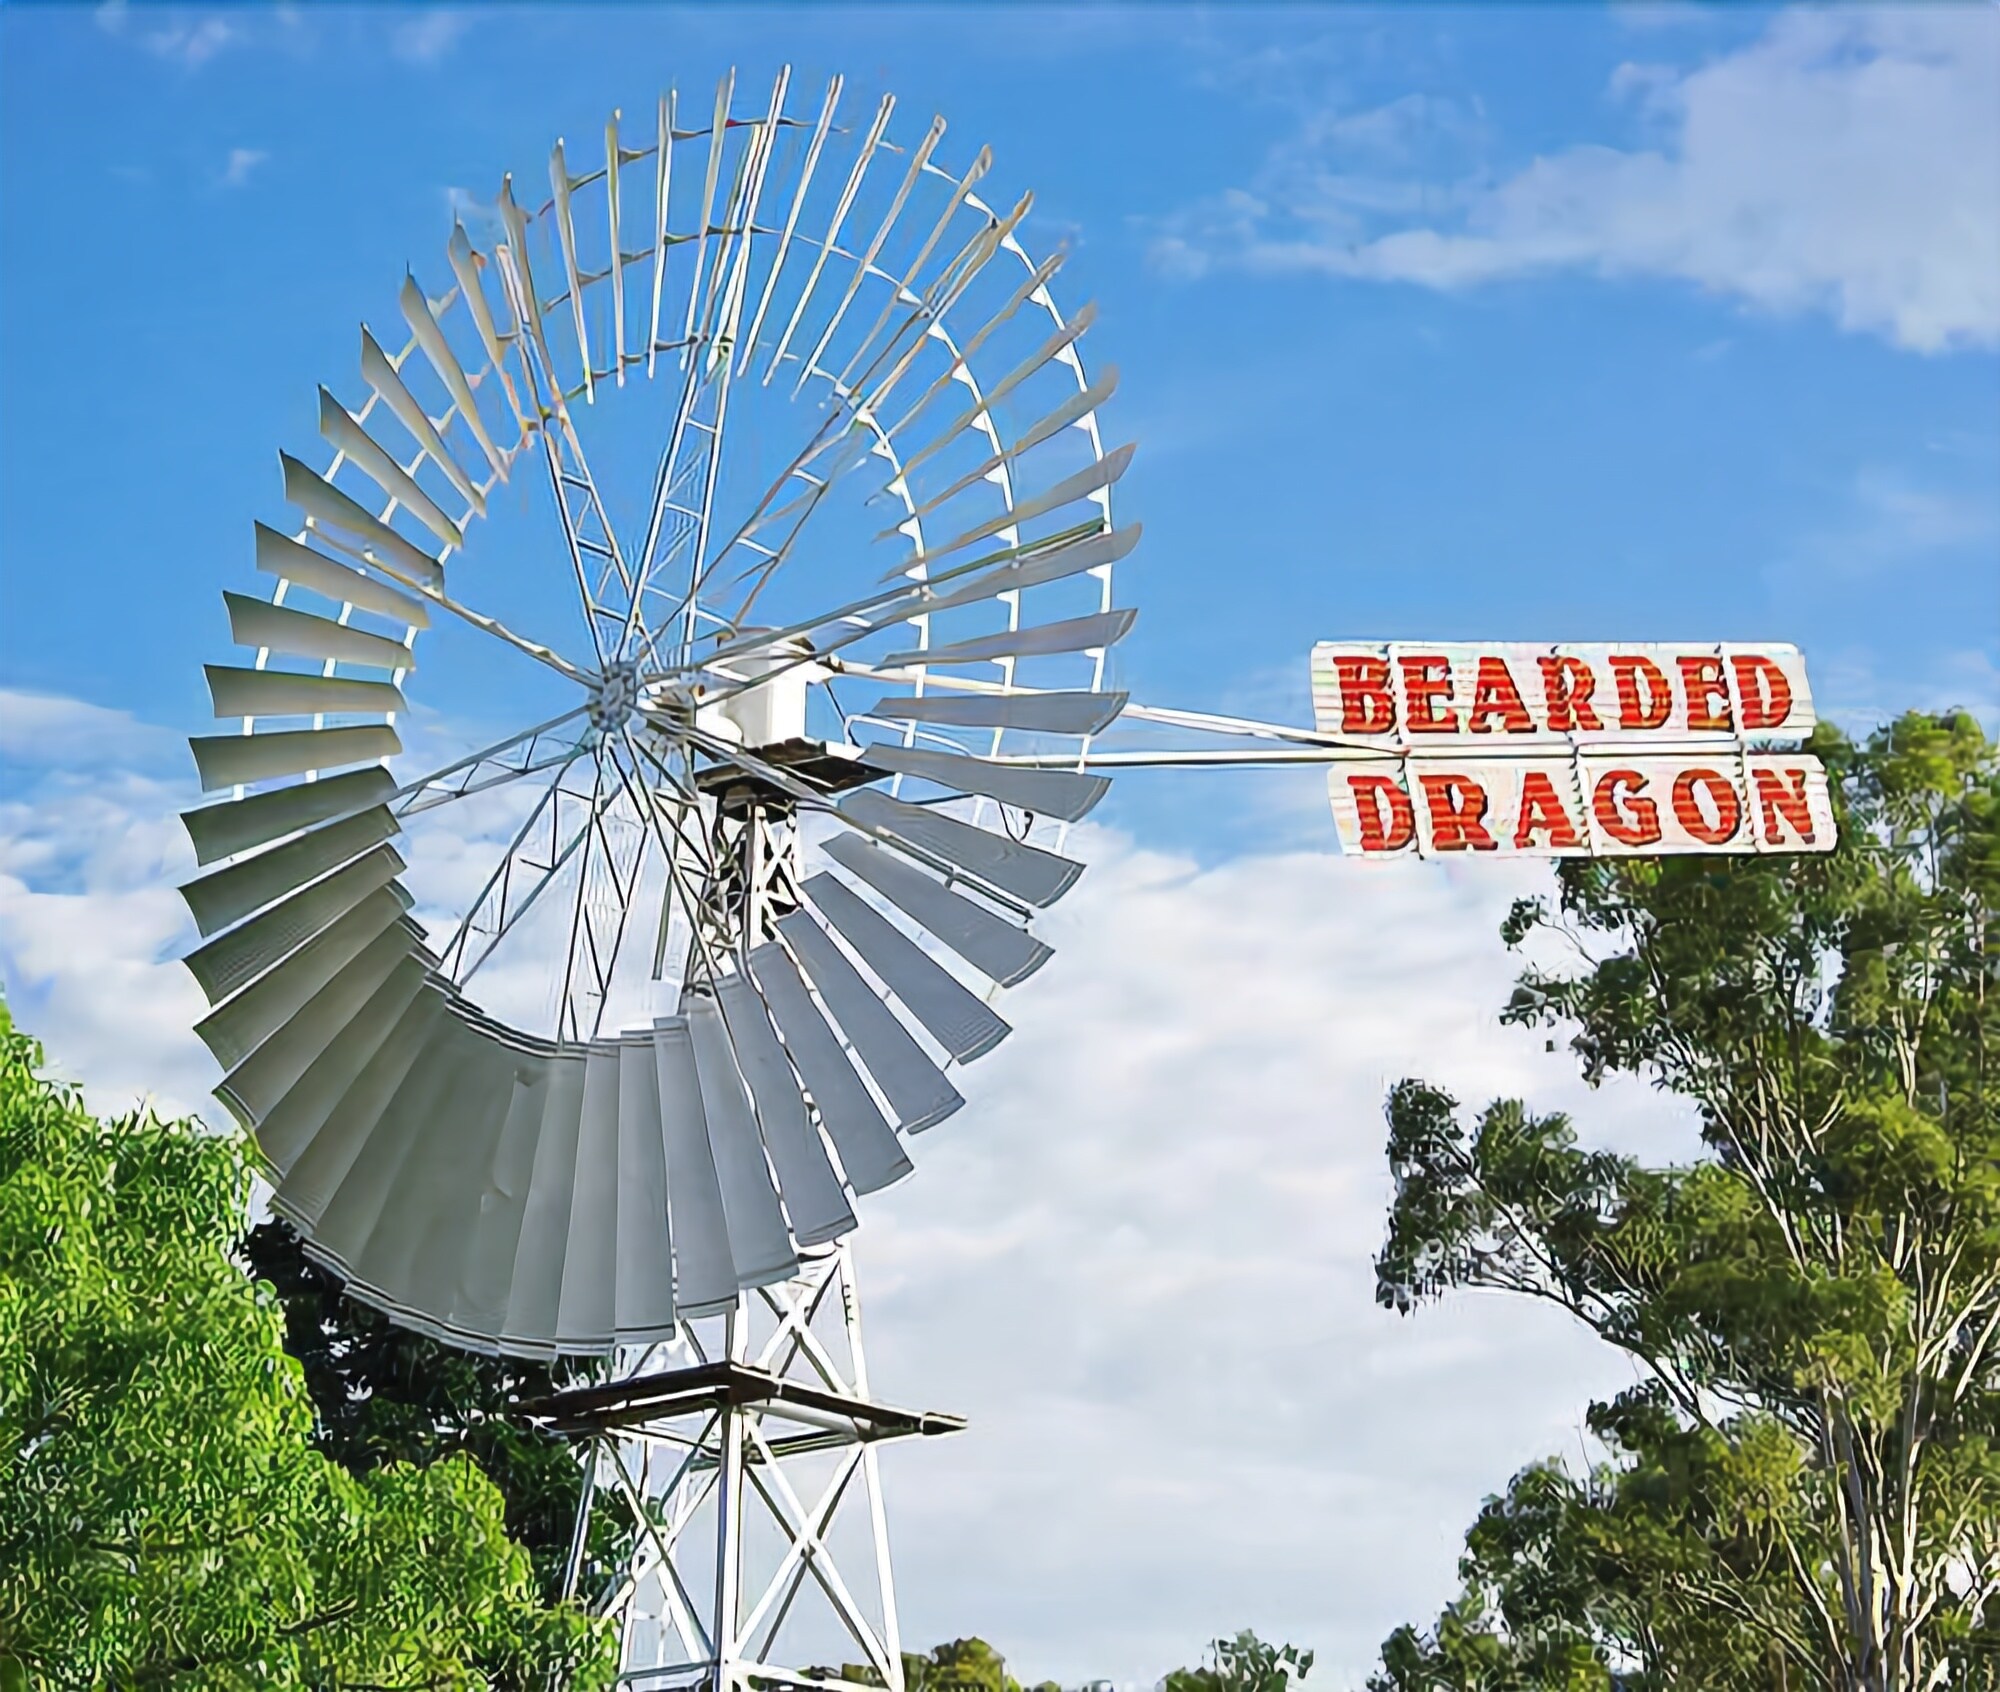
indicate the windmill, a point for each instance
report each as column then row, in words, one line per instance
column 807, row 677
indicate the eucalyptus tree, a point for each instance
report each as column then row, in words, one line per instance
column 1804, row 1491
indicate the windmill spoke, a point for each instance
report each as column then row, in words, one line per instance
column 513, row 906
column 605, row 961
column 488, row 768
column 693, row 901
column 571, row 481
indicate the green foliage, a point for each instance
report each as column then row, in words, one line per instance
column 1806, row 1492
column 384, row 1394
column 961, row 1665
column 164, row 1519
column 1243, row 1664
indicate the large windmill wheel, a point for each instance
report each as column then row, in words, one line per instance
column 832, row 521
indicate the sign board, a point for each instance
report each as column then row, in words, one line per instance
column 1567, row 751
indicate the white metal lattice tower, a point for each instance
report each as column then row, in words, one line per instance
column 763, row 1420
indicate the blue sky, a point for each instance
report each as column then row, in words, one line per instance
column 1639, row 322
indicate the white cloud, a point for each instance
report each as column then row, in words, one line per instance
column 187, row 41
column 1893, row 520
column 1848, row 161
column 53, row 729
column 90, row 928
column 242, row 164
column 1139, row 1261
column 429, row 36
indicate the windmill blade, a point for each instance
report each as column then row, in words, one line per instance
column 535, row 1288
column 381, row 374
column 702, row 287
column 1077, row 713
column 293, row 561
column 453, row 1064
column 870, row 1154
column 253, row 1088
column 1091, row 552
column 380, row 545
column 917, row 1090
column 1079, row 405
column 282, row 693
column 235, row 760
column 918, row 159
column 327, row 1155
column 361, row 449
column 828, row 243
column 1093, row 478
column 473, row 1225
column 1034, row 563
column 486, row 1271
column 615, row 157
column 818, row 1209
column 235, row 825
column 953, row 1015
column 429, row 335
column 228, row 895
column 643, row 1294
column 705, row 1280
column 759, row 1243
column 1026, row 290
column 237, row 1027
column 806, row 172
column 903, row 290
column 298, row 1120
column 584, row 1311
column 514, row 251
column 259, row 623
column 408, row 1263
column 235, row 959
column 996, row 948
column 1039, row 640
column 663, row 180
column 1054, row 347
column 560, row 183
column 1067, row 795
column 1027, row 872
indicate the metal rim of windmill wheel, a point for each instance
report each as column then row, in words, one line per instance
column 787, row 823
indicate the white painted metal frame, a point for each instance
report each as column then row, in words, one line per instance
column 691, row 1610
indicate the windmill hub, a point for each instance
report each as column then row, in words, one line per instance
column 614, row 697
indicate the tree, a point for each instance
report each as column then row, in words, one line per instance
column 1243, row 1664
column 1805, row 1492
column 164, row 1519
column 959, row 1665
column 383, row 1394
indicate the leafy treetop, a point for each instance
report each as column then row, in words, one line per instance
column 164, row 1518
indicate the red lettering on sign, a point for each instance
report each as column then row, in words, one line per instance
column 1702, row 679
column 1721, row 794
column 1388, row 823
column 1633, row 675
column 1567, row 685
column 1631, row 821
column 1457, row 806
column 1366, row 704
column 1542, row 811
column 1762, row 690
column 1426, row 681
column 1783, row 794
column 1495, row 695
